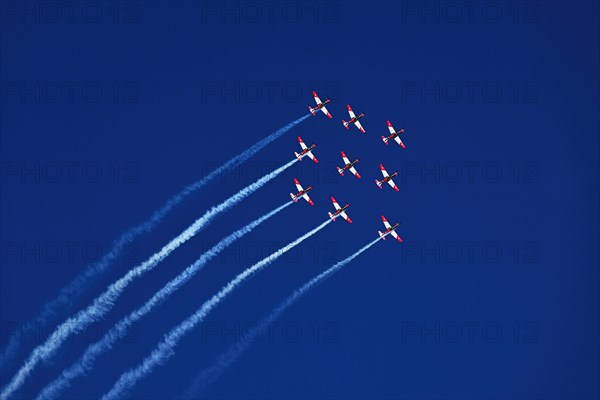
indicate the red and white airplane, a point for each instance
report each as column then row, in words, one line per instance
column 301, row 193
column 386, row 178
column 306, row 151
column 339, row 211
column 389, row 229
column 320, row 105
column 353, row 120
column 394, row 135
column 348, row 165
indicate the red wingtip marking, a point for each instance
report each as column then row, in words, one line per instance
column 299, row 139
column 396, row 188
column 315, row 160
column 382, row 218
column 329, row 115
column 349, row 221
column 296, row 181
column 358, row 176
column 343, row 154
column 403, row 146
column 311, row 203
column 381, row 166
column 333, row 199
column 314, row 93
column 349, row 108
column 388, row 123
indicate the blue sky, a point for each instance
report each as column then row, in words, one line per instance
column 108, row 109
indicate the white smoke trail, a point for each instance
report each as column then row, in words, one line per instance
column 74, row 289
column 102, row 304
column 226, row 359
column 119, row 330
column 165, row 348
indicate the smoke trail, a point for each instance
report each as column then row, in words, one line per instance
column 86, row 362
column 102, row 304
column 74, row 289
column 165, row 349
column 226, row 359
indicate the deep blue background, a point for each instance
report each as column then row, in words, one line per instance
column 165, row 127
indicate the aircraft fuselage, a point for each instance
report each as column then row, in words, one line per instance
column 338, row 212
column 349, row 165
column 303, row 192
column 387, row 178
column 308, row 149
column 392, row 228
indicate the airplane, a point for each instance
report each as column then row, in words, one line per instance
column 353, row 120
column 348, row 165
column 306, row 151
column 393, row 135
column 339, row 211
column 301, row 193
column 389, row 230
column 386, row 178
column 320, row 105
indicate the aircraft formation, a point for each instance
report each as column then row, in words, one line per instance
column 340, row 211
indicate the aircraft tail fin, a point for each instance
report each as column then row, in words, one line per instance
column 381, row 235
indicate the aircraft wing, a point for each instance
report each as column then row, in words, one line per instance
column 298, row 185
column 397, row 139
column 392, row 184
column 345, row 216
column 301, row 143
column 396, row 236
column 390, row 127
column 308, row 199
column 312, row 156
column 326, row 112
column 346, row 160
column 317, row 99
column 355, row 172
column 335, row 203
column 359, row 126
column 352, row 115
column 383, row 171
column 386, row 223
